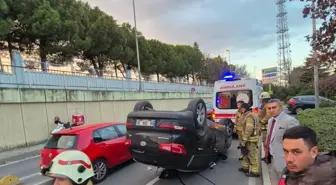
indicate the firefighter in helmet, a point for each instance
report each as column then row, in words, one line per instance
column 263, row 116
column 70, row 168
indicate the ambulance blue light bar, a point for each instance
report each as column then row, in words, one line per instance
column 231, row 76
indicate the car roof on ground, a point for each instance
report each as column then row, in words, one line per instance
column 86, row 127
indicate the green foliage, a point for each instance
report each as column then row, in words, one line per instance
column 323, row 121
column 60, row 30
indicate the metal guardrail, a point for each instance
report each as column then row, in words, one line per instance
column 21, row 77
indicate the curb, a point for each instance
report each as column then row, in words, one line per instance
column 19, row 157
column 264, row 168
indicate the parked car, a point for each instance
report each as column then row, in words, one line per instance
column 300, row 103
column 104, row 143
column 176, row 140
column 209, row 110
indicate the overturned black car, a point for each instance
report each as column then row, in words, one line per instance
column 177, row 140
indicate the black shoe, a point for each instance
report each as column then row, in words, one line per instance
column 251, row 174
column 240, row 158
column 243, row 170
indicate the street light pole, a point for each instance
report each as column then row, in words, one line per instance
column 229, row 58
column 316, row 66
column 137, row 46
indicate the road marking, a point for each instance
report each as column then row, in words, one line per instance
column 251, row 181
column 14, row 162
column 44, row 182
column 152, row 182
column 29, row 176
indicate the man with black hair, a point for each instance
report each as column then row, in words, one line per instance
column 249, row 143
column 303, row 163
column 277, row 126
column 238, row 123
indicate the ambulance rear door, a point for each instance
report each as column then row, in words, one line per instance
column 227, row 93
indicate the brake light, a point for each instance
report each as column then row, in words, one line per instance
column 292, row 102
column 172, row 127
column 128, row 142
column 129, row 124
column 173, row 148
column 213, row 115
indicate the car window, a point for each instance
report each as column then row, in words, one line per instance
column 58, row 141
column 308, row 99
column 122, row 129
column 106, row 133
column 228, row 99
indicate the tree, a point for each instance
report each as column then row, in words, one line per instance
column 242, row 71
column 324, row 39
column 328, row 86
column 213, row 69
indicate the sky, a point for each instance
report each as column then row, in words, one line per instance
column 246, row 27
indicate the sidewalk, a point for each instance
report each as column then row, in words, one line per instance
column 20, row 153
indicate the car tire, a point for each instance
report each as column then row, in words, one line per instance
column 198, row 109
column 229, row 130
column 142, row 106
column 100, row 171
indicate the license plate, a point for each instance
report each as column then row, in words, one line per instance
column 146, row 123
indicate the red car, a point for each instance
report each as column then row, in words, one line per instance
column 104, row 143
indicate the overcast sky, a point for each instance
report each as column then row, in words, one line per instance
column 246, row 27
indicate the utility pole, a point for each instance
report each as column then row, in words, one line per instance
column 137, row 46
column 229, row 52
column 316, row 65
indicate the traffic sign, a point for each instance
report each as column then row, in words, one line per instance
column 269, row 75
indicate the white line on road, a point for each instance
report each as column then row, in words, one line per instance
column 14, row 162
column 251, row 181
column 152, row 182
column 29, row 176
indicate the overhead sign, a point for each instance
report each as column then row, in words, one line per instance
column 269, row 75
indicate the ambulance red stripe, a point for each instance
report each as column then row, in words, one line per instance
column 225, row 115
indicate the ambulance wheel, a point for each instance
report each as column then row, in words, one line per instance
column 142, row 106
column 198, row 109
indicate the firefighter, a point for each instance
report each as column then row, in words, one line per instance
column 238, row 123
column 263, row 116
column 249, row 143
column 71, row 167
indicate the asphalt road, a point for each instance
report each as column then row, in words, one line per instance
column 133, row 173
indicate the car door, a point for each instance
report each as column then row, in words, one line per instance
column 125, row 154
column 309, row 102
column 108, row 143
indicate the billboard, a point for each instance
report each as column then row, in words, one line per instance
column 269, row 75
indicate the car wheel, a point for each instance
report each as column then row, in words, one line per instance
column 229, row 130
column 198, row 109
column 143, row 105
column 100, row 171
column 299, row 109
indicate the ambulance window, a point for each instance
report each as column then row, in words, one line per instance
column 228, row 99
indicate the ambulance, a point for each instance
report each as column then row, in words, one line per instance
column 231, row 89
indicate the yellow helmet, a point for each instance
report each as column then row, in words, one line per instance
column 264, row 95
column 73, row 164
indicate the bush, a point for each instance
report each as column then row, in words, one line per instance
column 323, row 121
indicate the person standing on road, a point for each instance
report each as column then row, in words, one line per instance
column 238, row 123
column 249, row 143
column 71, row 167
column 263, row 116
column 303, row 163
column 277, row 125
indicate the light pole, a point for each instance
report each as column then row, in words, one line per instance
column 229, row 58
column 137, row 46
column 316, row 66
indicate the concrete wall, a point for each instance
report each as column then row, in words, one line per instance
column 26, row 115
